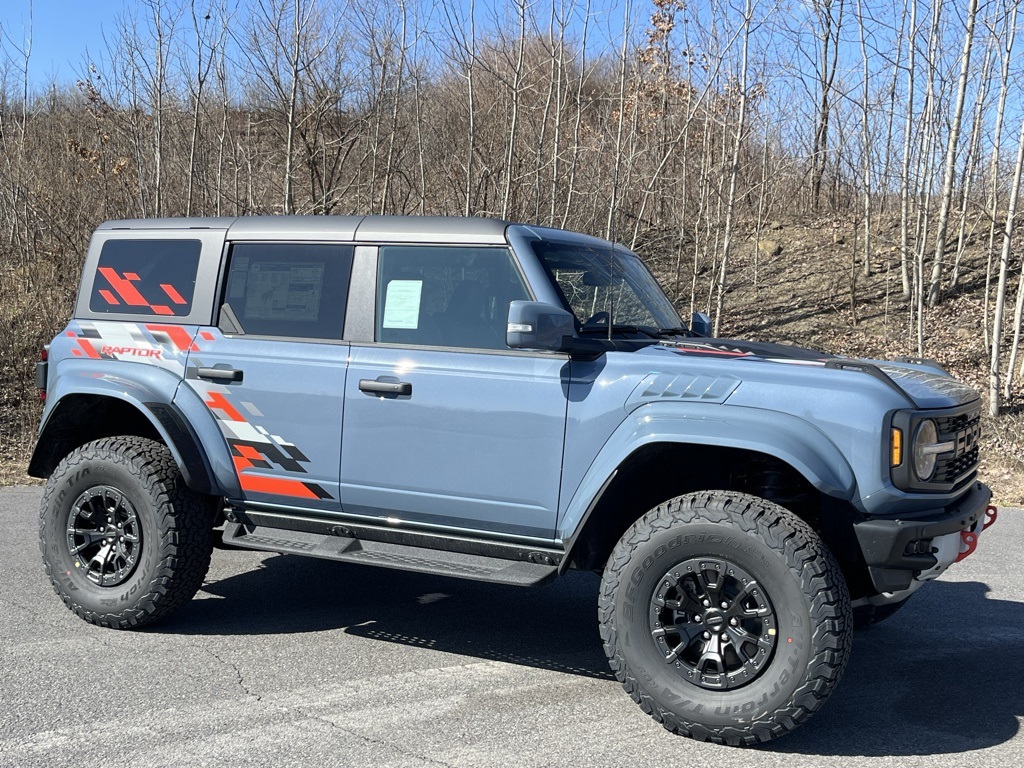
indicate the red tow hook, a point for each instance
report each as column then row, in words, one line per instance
column 968, row 540
column 991, row 513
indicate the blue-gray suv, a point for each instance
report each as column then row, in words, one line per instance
column 500, row 402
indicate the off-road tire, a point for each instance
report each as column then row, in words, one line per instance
column 786, row 557
column 865, row 616
column 176, row 541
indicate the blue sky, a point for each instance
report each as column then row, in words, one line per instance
column 62, row 31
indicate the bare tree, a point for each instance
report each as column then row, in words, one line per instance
column 1004, row 266
column 952, row 144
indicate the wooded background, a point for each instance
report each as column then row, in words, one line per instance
column 688, row 131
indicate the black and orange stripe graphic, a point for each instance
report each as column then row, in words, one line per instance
column 122, row 290
column 252, row 455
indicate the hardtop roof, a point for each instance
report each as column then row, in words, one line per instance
column 395, row 229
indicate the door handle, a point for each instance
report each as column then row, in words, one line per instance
column 222, row 374
column 385, row 387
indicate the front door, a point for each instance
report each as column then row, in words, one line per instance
column 444, row 424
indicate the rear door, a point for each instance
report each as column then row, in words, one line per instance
column 272, row 371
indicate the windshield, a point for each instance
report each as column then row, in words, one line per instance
column 607, row 288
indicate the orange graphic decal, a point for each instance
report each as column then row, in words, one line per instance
column 240, row 464
column 278, row 486
column 220, row 403
column 179, row 336
column 89, row 349
column 110, row 298
column 128, row 293
column 249, row 452
column 172, row 294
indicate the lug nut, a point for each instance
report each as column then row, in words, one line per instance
column 706, row 603
column 707, row 635
column 697, row 617
column 733, row 622
column 725, row 604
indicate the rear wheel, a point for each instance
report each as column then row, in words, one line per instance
column 124, row 540
column 725, row 617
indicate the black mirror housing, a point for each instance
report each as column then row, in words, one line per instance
column 538, row 325
column 700, row 324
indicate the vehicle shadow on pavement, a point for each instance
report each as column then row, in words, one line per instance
column 552, row 627
column 944, row 675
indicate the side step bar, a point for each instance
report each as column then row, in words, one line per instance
column 388, row 555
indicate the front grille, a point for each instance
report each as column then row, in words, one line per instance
column 960, row 464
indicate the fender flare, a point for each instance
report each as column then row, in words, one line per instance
column 176, row 413
column 786, row 437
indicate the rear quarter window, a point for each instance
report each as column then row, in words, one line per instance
column 146, row 277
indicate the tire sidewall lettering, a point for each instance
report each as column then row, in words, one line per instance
column 656, row 557
column 65, row 569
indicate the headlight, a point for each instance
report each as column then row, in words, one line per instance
column 925, row 439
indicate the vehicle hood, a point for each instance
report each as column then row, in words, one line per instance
column 924, row 384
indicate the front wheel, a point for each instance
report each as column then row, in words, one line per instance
column 123, row 539
column 725, row 617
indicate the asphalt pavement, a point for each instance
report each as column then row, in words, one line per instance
column 282, row 660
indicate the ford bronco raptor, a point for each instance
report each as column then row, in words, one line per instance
column 500, row 402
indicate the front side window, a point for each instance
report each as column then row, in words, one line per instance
column 295, row 290
column 450, row 296
column 146, row 277
column 604, row 287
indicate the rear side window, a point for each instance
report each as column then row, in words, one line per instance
column 296, row 290
column 146, row 277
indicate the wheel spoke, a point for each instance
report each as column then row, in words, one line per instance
column 90, row 534
column 672, row 605
column 712, row 655
column 688, row 633
column 741, row 638
column 711, row 579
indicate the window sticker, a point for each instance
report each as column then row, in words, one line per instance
column 284, row 291
column 402, row 304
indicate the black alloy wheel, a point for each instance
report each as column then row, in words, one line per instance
column 714, row 623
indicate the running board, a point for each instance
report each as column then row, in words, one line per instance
column 388, row 555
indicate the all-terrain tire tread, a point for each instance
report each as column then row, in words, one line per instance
column 184, row 523
column 803, row 552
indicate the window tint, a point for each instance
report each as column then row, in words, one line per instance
column 288, row 289
column 446, row 296
column 146, row 277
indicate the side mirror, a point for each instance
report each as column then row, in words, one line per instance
column 536, row 325
column 700, row 324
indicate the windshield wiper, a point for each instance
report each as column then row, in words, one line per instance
column 647, row 331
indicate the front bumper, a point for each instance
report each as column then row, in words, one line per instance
column 898, row 552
